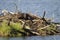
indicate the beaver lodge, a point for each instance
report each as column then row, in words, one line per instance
column 25, row 24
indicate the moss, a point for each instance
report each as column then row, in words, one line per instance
column 16, row 26
column 5, row 29
column 14, row 29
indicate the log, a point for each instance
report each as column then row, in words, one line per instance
column 44, row 27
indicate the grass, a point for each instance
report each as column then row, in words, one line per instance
column 16, row 26
column 6, row 30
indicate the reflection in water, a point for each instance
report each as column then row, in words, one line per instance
column 54, row 37
column 4, row 38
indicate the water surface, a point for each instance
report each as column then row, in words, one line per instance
column 55, row 37
column 52, row 7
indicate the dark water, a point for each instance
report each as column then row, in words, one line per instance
column 55, row 37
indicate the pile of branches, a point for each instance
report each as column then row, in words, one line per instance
column 35, row 24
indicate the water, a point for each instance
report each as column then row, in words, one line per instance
column 56, row 37
column 34, row 6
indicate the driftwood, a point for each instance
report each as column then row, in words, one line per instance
column 30, row 31
column 35, row 23
column 43, row 18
